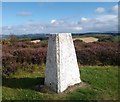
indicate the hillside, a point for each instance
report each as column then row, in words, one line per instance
column 23, row 65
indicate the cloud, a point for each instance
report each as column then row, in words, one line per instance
column 53, row 26
column 83, row 19
column 57, row 22
column 77, row 28
column 115, row 9
column 53, row 21
column 100, row 10
column 101, row 23
column 24, row 13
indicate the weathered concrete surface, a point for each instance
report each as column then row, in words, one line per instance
column 61, row 66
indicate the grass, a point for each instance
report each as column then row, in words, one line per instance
column 116, row 38
column 103, row 82
column 103, row 85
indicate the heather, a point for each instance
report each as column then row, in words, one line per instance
column 97, row 53
column 25, row 55
column 22, row 55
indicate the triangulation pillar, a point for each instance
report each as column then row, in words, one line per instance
column 61, row 66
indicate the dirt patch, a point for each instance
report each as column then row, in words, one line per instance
column 76, row 86
column 35, row 41
column 45, row 89
column 87, row 39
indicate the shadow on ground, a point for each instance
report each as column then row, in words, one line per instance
column 22, row 83
column 36, row 84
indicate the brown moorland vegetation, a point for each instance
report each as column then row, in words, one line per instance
column 25, row 54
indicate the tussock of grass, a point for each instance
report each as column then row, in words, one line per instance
column 103, row 85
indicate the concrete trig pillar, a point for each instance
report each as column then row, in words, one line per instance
column 61, row 66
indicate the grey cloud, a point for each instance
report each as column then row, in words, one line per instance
column 24, row 13
column 115, row 9
column 100, row 10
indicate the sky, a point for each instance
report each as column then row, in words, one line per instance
column 58, row 17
